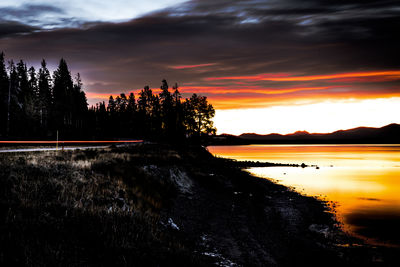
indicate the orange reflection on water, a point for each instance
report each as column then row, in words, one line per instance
column 363, row 179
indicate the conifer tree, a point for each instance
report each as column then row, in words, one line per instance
column 13, row 104
column 22, row 83
column 131, row 114
column 145, row 99
column 131, row 106
column 179, row 128
column 21, row 117
column 123, row 103
column 4, row 91
column 145, row 110
column 111, row 105
column 33, row 82
column 45, row 97
column 156, row 116
column 79, row 104
column 63, row 98
column 167, row 113
column 32, row 102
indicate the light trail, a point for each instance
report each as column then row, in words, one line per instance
column 62, row 144
column 70, row 142
column 49, row 149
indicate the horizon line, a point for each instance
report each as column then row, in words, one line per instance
column 311, row 132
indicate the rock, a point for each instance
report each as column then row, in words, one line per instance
column 320, row 229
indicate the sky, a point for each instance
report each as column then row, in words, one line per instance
column 266, row 66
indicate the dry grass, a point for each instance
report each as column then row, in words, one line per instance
column 84, row 208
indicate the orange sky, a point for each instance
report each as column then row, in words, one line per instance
column 389, row 75
column 338, row 100
column 245, row 94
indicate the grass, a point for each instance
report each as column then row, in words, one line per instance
column 91, row 208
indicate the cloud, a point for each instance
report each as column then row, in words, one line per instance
column 299, row 44
column 28, row 10
column 386, row 75
column 181, row 67
column 32, row 15
column 8, row 28
column 51, row 14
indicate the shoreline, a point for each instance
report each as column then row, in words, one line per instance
column 177, row 205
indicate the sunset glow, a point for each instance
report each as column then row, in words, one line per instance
column 389, row 75
column 285, row 109
column 323, row 117
column 180, row 67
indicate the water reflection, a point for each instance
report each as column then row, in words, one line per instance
column 363, row 179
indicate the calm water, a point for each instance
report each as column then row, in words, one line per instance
column 364, row 181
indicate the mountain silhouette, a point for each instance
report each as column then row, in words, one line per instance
column 368, row 135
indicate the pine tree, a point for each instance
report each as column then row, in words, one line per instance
column 63, row 98
column 131, row 106
column 176, row 95
column 33, row 82
column 111, row 108
column 145, row 110
column 13, row 104
column 156, row 117
column 145, row 100
column 167, row 113
column 179, row 128
column 21, row 117
column 22, row 83
column 45, row 97
column 4, row 91
column 79, row 105
column 123, row 103
column 32, row 101
column 131, row 115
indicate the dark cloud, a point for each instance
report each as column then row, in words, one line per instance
column 32, row 15
column 24, row 11
column 240, row 37
column 11, row 27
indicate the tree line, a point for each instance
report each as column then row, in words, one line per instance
column 36, row 104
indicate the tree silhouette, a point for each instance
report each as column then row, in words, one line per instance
column 35, row 105
column 145, row 111
column 167, row 111
column 131, row 115
column 4, row 91
column 111, row 105
column 13, row 104
column 62, row 94
column 199, row 116
column 31, row 104
column 179, row 127
column 79, row 105
column 45, row 102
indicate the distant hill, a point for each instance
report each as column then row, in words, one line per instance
column 387, row 134
column 361, row 135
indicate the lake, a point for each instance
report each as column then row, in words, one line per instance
column 363, row 181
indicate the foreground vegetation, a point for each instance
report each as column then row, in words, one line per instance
column 85, row 208
column 152, row 205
